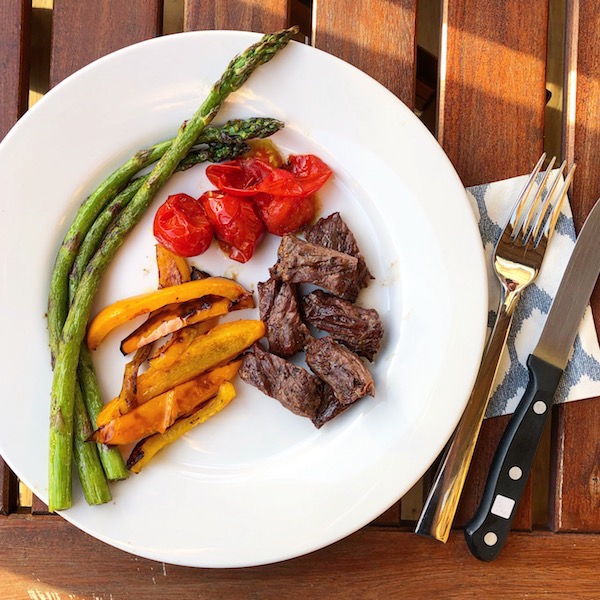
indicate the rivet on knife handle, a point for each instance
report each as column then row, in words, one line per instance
column 487, row 531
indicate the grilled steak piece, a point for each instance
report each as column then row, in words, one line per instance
column 329, row 407
column 358, row 328
column 333, row 233
column 299, row 261
column 293, row 386
column 340, row 368
column 278, row 306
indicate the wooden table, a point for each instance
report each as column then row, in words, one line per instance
column 492, row 119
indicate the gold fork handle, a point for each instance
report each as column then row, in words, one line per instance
column 442, row 502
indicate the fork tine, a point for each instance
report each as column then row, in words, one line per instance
column 533, row 212
column 551, row 222
column 546, row 209
column 545, row 222
column 516, row 213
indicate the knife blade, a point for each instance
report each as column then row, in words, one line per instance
column 488, row 530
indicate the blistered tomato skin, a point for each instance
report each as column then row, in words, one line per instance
column 236, row 223
column 285, row 214
column 310, row 171
column 181, row 226
column 240, row 176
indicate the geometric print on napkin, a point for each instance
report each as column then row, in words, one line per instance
column 492, row 204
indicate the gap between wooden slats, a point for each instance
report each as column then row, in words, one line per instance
column 576, row 440
column 77, row 40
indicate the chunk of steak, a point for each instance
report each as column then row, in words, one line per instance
column 278, row 306
column 358, row 328
column 340, row 368
column 333, row 233
column 293, row 386
column 299, row 261
column 329, row 407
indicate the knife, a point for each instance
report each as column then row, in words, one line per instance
column 487, row 531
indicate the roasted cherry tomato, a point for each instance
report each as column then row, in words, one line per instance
column 310, row 171
column 181, row 226
column 280, row 182
column 284, row 214
column 303, row 175
column 240, row 176
column 236, row 223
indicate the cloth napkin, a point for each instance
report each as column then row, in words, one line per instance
column 493, row 204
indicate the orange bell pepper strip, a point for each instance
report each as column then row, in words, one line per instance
column 145, row 450
column 172, row 269
column 125, row 310
column 162, row 411
column 218, row 346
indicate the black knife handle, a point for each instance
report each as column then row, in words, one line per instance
column 488, row 529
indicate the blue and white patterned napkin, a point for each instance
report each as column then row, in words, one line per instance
column 493, row 203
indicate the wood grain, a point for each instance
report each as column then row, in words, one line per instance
column 247, row 15
column 377, row 36
column 15, row 21
column 575, row 495
column 492, row 87
column 85, row 31
column 45, row 557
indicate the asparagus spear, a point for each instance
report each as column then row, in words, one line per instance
column 73, row 331
column 91, row 474
column 110, row 457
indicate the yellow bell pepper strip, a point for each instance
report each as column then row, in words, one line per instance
column 162, row 411
column 173, row 348
column 172, row 269
column 174, row 317
column 145, row 450
column 218, row 346
column 125, row 310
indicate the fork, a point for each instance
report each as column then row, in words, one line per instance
column 517, row 260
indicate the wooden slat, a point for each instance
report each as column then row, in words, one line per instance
column 15, row 24
column 85, row 31
column 15, row 18
column 248, row 15
column 377, row 36
column 575, row 492
column 8, row 489
column 490, row 123
column 492, row 87
column 48, row 558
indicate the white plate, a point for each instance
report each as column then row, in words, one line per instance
column 256, row 484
